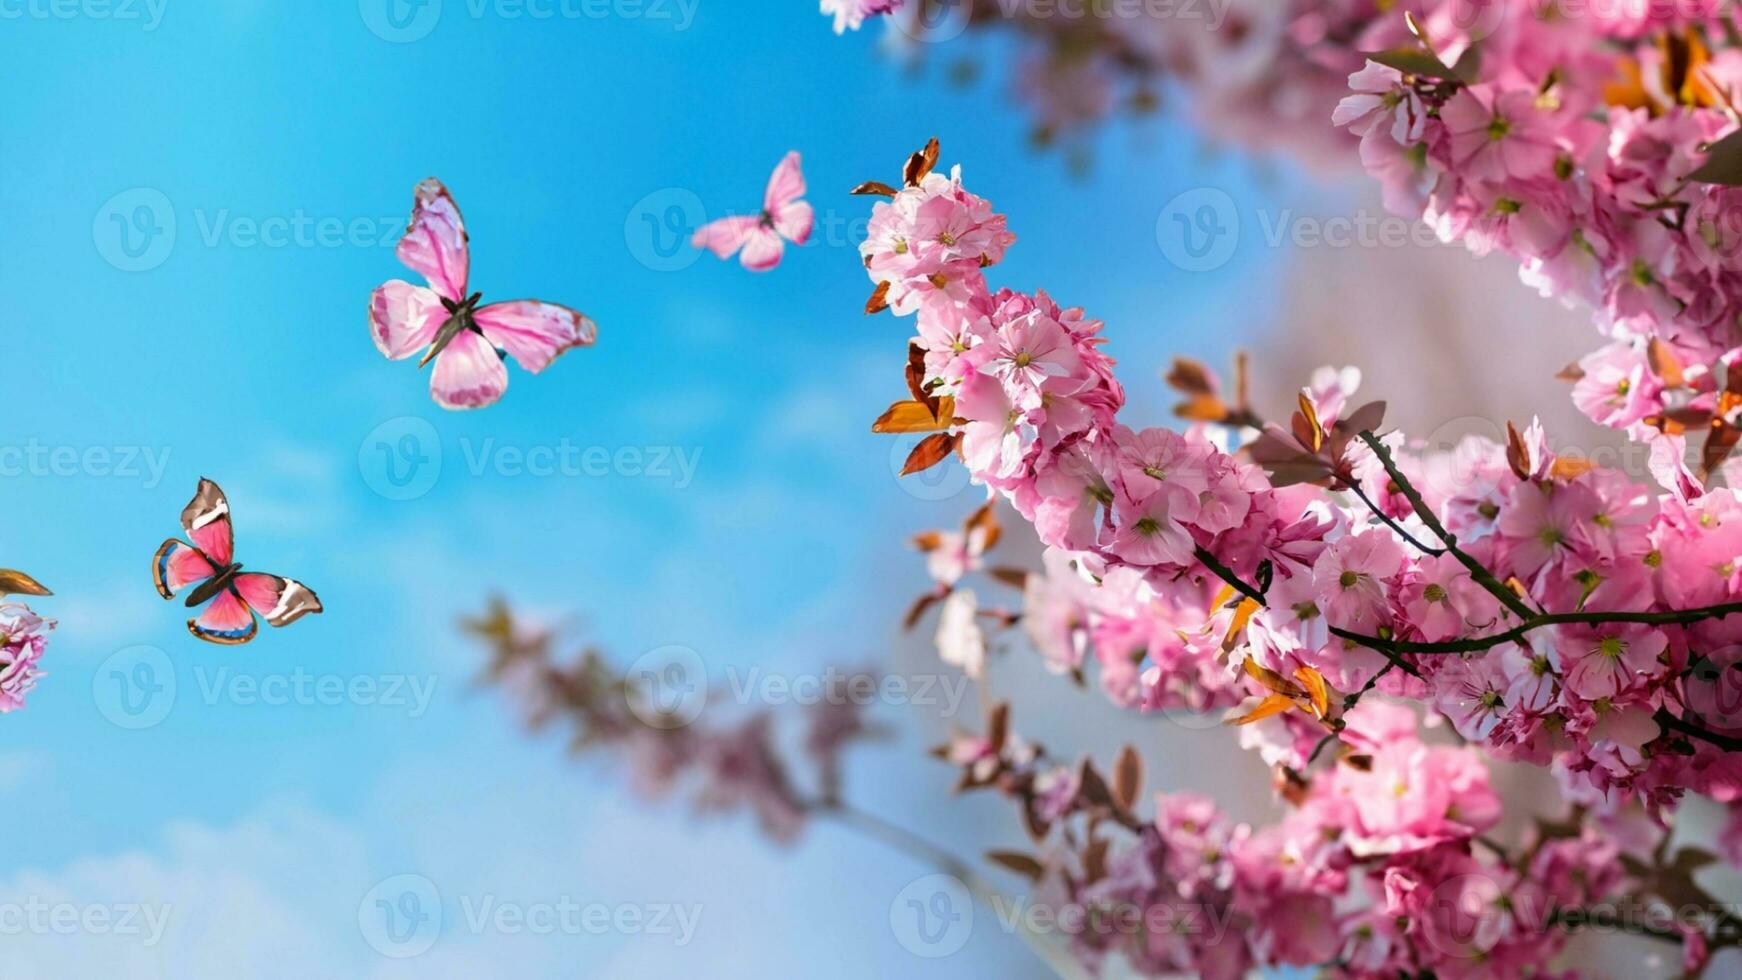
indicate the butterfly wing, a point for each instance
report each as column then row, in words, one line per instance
column 785, row 186
column 206, row 519
column 178, row 565
column 534, row 332
column 468, row 373
column 435, row 241
column 226, row 619
column 725, row 235
column 404, row 318
column 763, row 251
column 280, row 601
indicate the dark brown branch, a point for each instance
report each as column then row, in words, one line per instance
column 1478, row 572
column 1228, row 575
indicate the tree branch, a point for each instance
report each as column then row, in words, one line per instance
column 1478, row 571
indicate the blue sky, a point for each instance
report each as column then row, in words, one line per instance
column 266, row 825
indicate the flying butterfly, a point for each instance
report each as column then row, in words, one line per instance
column 231, row 597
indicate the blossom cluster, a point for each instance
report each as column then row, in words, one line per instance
column 23, row 637
column 1592, row 150
column 1383, row 868
column 1557, row 613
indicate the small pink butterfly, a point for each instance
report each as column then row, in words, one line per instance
column 235, row 595
column 467, row 342
column 783, row 216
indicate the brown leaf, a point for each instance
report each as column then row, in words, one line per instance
column 998, row 725
column 921, row 163
column 874, row 187
column 931, row 451
column 985, row 520
column 1023, row 864
column 928, row 541
column 916, row 417
column 1014, row 577
column 1127, row 778
column 1719, row 442
column 1517, row 456
column 13, row 582
column 916, row 375
column 878, row 301
column 1095, row 860
column 915, row 611
column 1664, row 363
column 1572, row 372
column 1190, row 377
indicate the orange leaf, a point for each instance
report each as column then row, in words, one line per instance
column 931, row 451
column 878, row 303
column 921, row 163
column 1243, row 614
column 1202, row 408
column 1271, row 679
column 874, row 187
column 909, row 416
column 1307, row 427
column 1317, row 690
column 1270, row 707
column 1664, row 363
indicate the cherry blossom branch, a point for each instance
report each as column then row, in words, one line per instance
column 1477, row 570
column 1391, row 522
column 1228, row 575
column 1673, row 617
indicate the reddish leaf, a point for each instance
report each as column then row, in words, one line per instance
column 931, row 451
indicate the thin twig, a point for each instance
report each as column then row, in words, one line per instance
column 1228, row 575
column 1391, row 522
column 1478, row 572
column 1673, row 617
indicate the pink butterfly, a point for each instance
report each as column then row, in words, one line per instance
column 467, row 342
column 783, row 216
column 235, row 596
